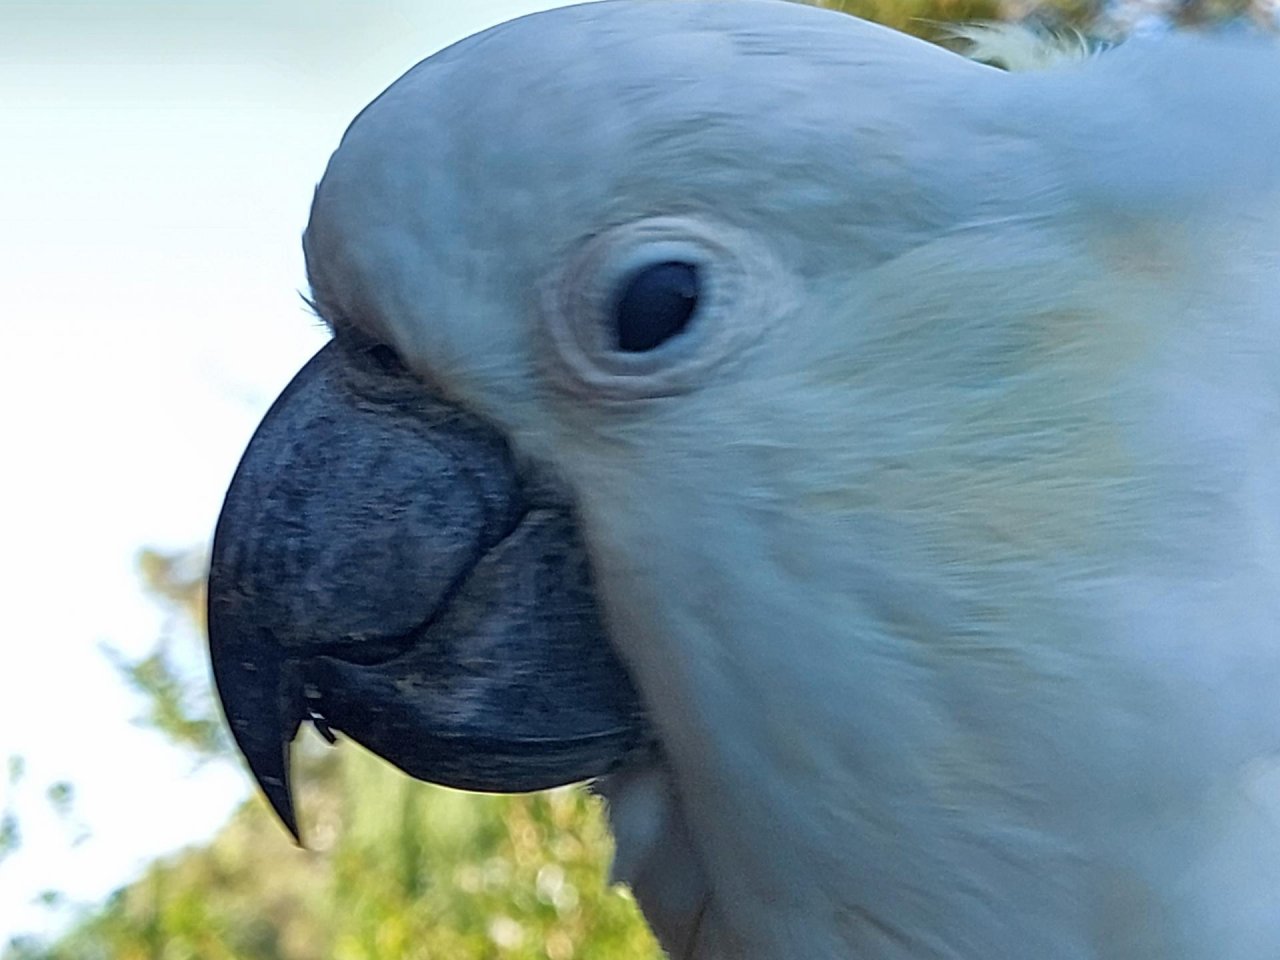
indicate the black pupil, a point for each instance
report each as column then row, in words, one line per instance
column 656, row 303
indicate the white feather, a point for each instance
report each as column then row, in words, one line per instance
column 1016, row 46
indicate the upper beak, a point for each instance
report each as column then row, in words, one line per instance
column 379, row 568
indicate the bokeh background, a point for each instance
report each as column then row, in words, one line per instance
column 156, row 164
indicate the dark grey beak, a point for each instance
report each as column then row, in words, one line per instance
column 380, row 569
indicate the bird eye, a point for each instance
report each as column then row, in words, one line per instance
column 655, row 303
column 652, row 307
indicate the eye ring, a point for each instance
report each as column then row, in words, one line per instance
column 741, row 290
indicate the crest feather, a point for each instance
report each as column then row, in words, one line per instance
column 1017, row 46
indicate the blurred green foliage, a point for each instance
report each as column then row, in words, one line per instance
column 10, row 832
column 1102, row 19
column 394, row 870
column 918, row 17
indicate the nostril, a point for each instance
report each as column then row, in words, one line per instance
column 387, row 359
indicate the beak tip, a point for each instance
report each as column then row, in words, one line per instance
column 279, row 796
column 257, row 699
column 292, row 826
column 264, row 732
column 290, row 822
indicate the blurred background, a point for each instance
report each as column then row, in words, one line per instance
column 157, row 164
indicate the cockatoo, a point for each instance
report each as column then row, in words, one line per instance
column 861, row 462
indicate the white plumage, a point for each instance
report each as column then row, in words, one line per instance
column 945, row 546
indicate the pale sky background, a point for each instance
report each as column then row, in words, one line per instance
column 156, row 166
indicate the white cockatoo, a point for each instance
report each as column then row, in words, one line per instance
column 863, row 462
